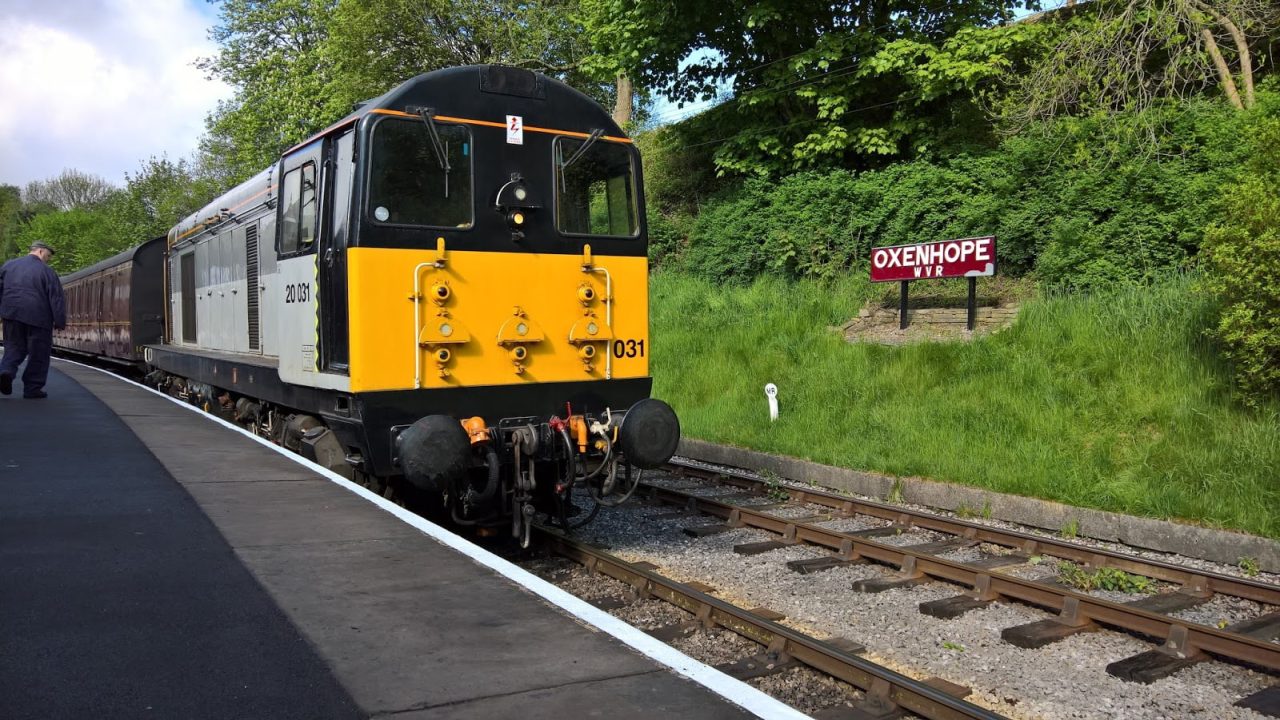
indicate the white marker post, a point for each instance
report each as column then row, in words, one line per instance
column 771, row 392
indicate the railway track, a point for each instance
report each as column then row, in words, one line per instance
column 1180, row 642
column 886, row 693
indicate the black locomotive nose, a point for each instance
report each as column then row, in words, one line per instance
column 435, row 452
column 650, row 434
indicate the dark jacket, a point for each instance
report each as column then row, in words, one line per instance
column 31, row 293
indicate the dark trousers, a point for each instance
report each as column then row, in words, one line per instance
column 30, row 343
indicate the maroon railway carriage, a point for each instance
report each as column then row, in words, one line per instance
column 116, row 307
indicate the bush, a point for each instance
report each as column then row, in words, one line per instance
column 1082, row 203
column 1243, row 260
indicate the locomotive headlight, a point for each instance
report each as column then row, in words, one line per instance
column 516, row 218
column 520, row 192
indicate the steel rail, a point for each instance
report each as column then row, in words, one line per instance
column 710, row 611
column 1181, row 635
column 1198, row 580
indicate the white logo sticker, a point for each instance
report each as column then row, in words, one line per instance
column 515, row 130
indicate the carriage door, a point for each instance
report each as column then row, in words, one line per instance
column 300, row 225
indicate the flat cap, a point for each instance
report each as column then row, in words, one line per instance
column 37, row 245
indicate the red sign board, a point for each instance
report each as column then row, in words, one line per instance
column 970, row 257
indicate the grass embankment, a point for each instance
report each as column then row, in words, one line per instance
column 1111, row 401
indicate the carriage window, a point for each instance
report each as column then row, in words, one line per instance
column 420, row 178
column 595, row 188
column 298, row 198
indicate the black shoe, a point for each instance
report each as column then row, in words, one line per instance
column 37, row 395
column 6, row 384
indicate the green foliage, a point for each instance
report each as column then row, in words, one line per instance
column 1083, row 203
column 154, row 199
column 676, row 179
column 814, row 84
column 1129, row 56
column 157, row 196
column 416, row 36
column 773, row 487
column 10, row 216
column 949, row 645
column 1249, row 565
column 1104, row 578
column 895, row 492
column 80, row 237
column 1070, row 529
column 300, row 65
column 1243, row 253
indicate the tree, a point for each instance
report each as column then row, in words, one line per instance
column 1131, row 54
column 270, row 52
column 10, row 209
column 68, row 190
column 814, row 84
column 81, row 237
column 300, row 65
column 160, row 194
column 375, row 44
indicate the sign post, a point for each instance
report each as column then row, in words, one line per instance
column 970, row 258
column 902, row 307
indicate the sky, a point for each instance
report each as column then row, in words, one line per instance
column 101, row 85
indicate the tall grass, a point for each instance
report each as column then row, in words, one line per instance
column 1112, row 401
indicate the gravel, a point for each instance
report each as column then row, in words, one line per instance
column 802, row 688
column 1064, row 680
column 852, row 524
column 806, row 690
column 1181, row 560
column 1222, row 611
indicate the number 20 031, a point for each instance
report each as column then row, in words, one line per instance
column 628, row 348
column 297, row 292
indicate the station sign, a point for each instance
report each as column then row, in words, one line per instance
column 970, row 257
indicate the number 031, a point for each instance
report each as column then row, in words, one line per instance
column 628, row 348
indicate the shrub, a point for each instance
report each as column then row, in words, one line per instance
column 1243, row 260
column 1082, row 203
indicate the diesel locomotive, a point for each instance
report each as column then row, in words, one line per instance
column 444, row 296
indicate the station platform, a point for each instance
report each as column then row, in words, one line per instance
column 157, row 564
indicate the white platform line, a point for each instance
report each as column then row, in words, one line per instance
column 735, row 691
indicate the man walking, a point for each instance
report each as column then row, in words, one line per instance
column 32, row 307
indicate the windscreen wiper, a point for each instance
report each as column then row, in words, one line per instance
column 428, row 116
column 582, row 149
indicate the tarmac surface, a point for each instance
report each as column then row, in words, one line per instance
column 156, row 564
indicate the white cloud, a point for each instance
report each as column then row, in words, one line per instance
column 100, row 85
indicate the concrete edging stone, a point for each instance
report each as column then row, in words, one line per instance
column 1221, row 546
